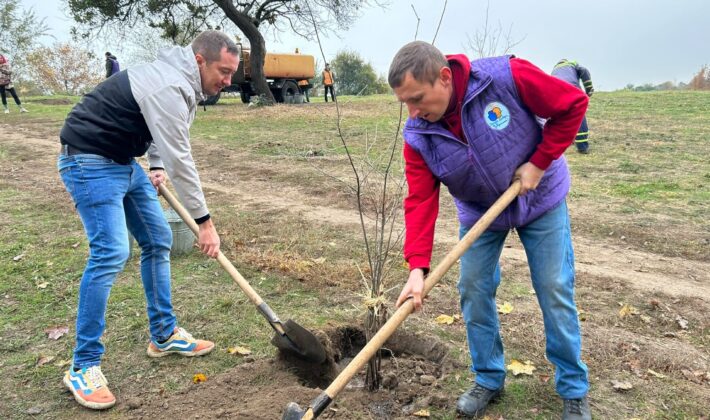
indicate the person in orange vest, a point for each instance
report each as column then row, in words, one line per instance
column 328, row 81
column 304, row 85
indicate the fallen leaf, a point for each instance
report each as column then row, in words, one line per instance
column 198, row 378
column 422, row 413
column 43, row 360
column 627, row 310
column 56, row 332
column 444, row 319
column 18, row 257
column 75, row 244
column 62, row 363
column 656, row 374
column 43, row 285
column 505, row 308
column 621, row 386
column 241, row 351
column 682, row 322
column 518, row 368
column 320, row 260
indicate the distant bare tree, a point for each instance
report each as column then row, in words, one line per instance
column 491, row 41
column 701, row 81
column 65, row 69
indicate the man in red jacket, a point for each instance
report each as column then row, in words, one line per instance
column 473, row 127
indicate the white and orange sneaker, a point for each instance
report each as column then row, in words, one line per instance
column 182, row 343
column 90, row 387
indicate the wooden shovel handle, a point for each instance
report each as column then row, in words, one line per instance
column 224, row 262
column 379, row 339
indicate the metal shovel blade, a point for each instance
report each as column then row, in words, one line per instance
column 293, row 412
column 300, row 342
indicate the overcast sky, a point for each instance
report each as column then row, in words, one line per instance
column 619, row 41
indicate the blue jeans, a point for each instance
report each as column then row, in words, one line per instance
column 548, row 245
column 112, row 199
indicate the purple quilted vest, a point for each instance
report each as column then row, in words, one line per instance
column 502, row 135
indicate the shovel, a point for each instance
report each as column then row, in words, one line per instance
column 290, row 337
column 294, row 411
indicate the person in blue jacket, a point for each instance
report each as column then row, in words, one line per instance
column 112, row 66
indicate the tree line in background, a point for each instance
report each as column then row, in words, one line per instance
column 62, row 68
column 66, row 68
column 701, row 81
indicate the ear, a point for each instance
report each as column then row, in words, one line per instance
column 446, row 76
column 200, row 59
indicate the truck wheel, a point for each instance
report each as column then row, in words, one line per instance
column 245, row 97
column 288, row 91
column 211, row 100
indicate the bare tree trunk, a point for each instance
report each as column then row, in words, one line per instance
column 256, row 41
column 376, row 318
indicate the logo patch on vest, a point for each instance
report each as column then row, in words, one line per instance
column 496, row 115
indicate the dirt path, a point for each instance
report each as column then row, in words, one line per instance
column 641, row 270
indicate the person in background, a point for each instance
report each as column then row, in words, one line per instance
column 472, row 127
column 7, row 86
column 112, row 66
column 328, row 82
column 571, row 72
column 146, row 108
column 303, row 85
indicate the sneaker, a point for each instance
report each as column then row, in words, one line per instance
column 22, row 109
column 473, row 403
column 182, row 343
column 7, row 111
column 90, row 387
column 576, row 410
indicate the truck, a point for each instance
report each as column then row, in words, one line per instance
column 287, row 75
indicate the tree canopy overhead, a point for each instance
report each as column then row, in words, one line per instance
column 181, row 20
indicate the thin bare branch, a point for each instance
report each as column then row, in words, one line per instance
column 416, row 32
column 443, row 10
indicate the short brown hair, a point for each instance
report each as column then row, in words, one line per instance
column 421, row 59
column 209, row 44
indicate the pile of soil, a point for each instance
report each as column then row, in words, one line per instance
column 412, row 367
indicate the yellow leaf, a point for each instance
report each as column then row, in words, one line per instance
column 627, row 310
column 518, row 368
column 656, row 374
column 505, row 308
column 199, row 377
column 422, row 413
column 320, row 260
column 242, row 351
column 444, row 319
column 43, row 285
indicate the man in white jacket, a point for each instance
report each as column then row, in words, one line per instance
column 147, row 108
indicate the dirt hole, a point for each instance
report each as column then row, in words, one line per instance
column 413, row 369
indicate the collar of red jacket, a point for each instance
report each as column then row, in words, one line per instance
column 460, row 71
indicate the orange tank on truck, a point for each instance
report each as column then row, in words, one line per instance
column 287, row 75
